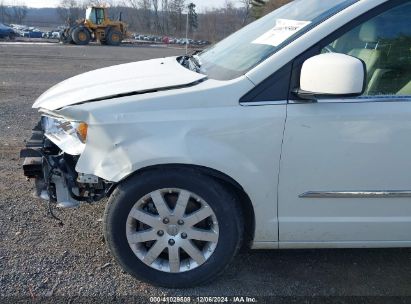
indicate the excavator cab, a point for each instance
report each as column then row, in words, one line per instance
column 96, row 15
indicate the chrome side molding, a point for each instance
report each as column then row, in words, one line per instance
column 263, row 103
column 356, row 194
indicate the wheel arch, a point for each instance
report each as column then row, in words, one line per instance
column 226, row 180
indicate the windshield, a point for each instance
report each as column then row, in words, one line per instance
column 237, row 54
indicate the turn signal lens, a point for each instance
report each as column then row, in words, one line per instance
column 82, row 131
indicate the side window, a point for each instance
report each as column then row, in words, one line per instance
column 100, row 15
column 92, row 16
column 384, row 44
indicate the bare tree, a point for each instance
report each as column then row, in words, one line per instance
column 176, row 8
column 157, row 26
column 15, row 13
column 19, row 13
column 209, row 24
column 98, row 3
column 246, row 5
column 4, row 17
column 165, row 16
column 70, row 11
column 144, row 7
column 231, row 18
column 263, row 7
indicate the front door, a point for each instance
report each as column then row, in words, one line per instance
column 346, row 164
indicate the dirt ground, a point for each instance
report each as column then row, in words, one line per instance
column 39, row 258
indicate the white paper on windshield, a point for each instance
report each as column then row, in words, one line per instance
column 283, row 30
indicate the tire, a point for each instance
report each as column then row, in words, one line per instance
column 193, row 269
column 114, row 37
column 81, row 36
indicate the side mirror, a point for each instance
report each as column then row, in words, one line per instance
column 332, row 75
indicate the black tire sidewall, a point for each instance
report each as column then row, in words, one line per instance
column 223, row 204
column 109, row 41
column 75, row 34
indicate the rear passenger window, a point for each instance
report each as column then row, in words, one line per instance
column 384, row 44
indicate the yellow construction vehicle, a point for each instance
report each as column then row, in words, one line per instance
column 97, row 26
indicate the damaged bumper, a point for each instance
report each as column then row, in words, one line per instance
column 56, row 179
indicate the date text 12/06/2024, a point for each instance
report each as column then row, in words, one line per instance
column 235, row 299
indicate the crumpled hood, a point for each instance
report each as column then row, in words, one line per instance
column 130, row 78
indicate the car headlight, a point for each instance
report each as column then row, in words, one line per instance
column 69, row 136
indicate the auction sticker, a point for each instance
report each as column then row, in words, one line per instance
column 283, row 29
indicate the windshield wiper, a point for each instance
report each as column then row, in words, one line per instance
column 191, row 62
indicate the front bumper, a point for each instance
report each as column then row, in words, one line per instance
column 32, row 165
column 56, row 179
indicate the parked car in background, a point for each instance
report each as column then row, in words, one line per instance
column 54, row 34
column 33, row 34
column 294, row 132
column 19, row 29
column 7, row 32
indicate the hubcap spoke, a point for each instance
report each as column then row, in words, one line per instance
column 154, row 252
column 160, row 204
column 172, row 239
column 174, row 258
column 181, row 204
column 141, row 237
column 198, row 216
column 193, row 251
column 203, row 235
column 145, row 218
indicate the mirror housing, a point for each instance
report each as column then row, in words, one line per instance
column 332, row 75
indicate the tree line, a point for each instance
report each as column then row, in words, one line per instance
column 162, row 17
column 168, row 17
column 15, row 13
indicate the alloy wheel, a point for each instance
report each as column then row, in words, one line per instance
column 172, row 230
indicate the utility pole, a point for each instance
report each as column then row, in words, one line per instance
column 188, row 12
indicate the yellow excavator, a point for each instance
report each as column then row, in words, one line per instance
column 97, row 26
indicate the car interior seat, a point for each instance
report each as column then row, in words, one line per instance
column 392, row 75
column 369, row 52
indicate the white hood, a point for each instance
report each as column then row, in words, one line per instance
column 130, row 78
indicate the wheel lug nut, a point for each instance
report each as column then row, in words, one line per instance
column 160, row 233
column 171, row 242
column 166, row 220
column 180, row 222
column 184, row 235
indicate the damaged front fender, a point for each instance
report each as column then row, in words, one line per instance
column 190, row 126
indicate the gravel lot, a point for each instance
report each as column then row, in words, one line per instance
column 40, row 258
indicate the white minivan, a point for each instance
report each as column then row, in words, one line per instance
column 294, row 132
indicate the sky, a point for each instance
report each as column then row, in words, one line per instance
column 201, row 4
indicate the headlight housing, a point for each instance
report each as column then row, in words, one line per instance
column 69, row 136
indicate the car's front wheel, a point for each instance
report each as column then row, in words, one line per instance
column 173, row 228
